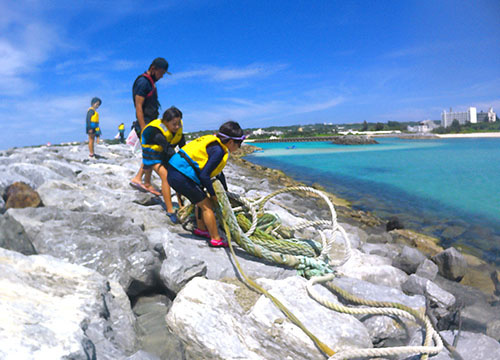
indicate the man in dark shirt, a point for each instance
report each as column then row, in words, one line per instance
column 145, row 96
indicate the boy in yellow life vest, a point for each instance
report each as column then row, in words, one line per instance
column 191, row 169
column 159, row 139
column 92, row 123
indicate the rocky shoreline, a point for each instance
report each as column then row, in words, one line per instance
column 96, row 271
column 429, row 245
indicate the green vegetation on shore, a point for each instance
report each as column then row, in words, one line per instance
column 456, row 128
column 329, row 129
column 315, row 130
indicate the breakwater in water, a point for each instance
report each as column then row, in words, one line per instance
column 297, row 139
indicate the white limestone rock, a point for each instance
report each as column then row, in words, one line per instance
column 55, row 310
column 471, row 346
column 373, row 268
column 207, row 315
column 113, row 246
column 190, row 249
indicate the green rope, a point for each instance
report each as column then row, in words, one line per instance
column 305, row 264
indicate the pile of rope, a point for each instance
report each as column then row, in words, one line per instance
column 262, row 235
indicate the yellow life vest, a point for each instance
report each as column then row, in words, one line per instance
column 95, row 117
column 197, row 152
column 173, row 139
column 121, row 127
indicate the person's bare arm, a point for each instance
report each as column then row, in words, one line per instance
column 139, row 101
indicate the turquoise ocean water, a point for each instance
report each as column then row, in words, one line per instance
column 449, row 188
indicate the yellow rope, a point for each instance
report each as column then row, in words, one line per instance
column 232, row 228
column 322, row 346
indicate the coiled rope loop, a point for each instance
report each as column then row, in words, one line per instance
column 270, row 245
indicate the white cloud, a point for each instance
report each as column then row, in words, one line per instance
column 11, row 59
column 219, row 74
column 25, row 44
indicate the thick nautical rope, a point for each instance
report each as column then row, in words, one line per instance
column 377, row 308
column 322, row 346
column 256, row 208
column 306, row 266
column 286, row 246
column 432, row 342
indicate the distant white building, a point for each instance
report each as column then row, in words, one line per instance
column 490, row 116
column 470, row 115
column 462, row 117
column 423, row 127
column 262, row 132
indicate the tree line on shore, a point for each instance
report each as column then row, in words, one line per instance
column 457, row 128
column 323, row 129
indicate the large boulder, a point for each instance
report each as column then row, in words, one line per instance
column 451, row 263
column 21, row 195
column 372, row 268
column 36, row 173
column 111, row 245
column 438, row 297
column 427, row 269
column 409, row 260
column 213, row 320
column 479, row 316
column 55, row 310
column 13, row 237
column 470, row 346
column 188, row 256
column 384, row 330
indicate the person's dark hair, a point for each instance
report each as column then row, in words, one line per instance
column 172, row 113
column 159, row 63
column 94, row 100
column 231, row 129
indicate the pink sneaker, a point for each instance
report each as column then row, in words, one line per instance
column 202, row 233
column 218, row 243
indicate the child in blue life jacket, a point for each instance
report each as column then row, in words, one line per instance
column 191, row 169
column 159, row 139
column 92, row 123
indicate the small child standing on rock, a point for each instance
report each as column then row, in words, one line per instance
column 159, row 139
column 191, row 169
column 93, row 123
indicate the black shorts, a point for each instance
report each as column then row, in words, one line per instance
column 185, row 186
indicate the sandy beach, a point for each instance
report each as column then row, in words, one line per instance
column 471, row 135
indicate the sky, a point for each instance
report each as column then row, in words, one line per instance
column 261, row 63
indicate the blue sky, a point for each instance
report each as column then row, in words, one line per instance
column 260, row 63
